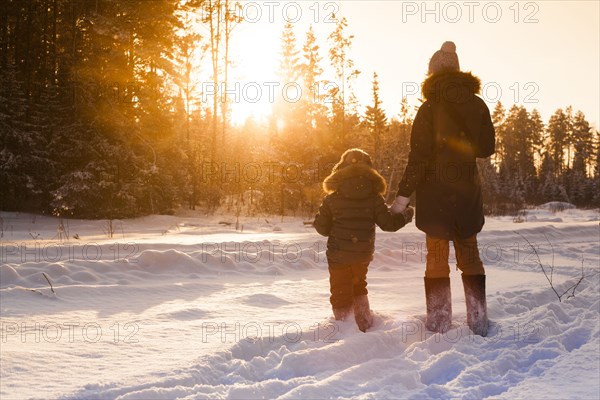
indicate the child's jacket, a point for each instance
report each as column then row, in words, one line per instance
column 353, row 206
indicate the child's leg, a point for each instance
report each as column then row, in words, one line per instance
column 362, row 309
column 359, row 279
column 341, row 288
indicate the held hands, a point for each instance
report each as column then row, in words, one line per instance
column 399, row 205
column 408, row 214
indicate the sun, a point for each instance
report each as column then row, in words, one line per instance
column 254, row 85
column 251, row 101
column 252, row 82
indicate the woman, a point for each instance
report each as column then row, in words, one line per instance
column 452, row 128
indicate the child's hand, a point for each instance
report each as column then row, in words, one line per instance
column 399, row 205
column 408, row 214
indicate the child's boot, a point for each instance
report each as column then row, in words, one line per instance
column 362, row 312
column 341, row 313
column 439, row 304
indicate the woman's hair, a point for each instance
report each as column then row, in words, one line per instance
column 352, row 157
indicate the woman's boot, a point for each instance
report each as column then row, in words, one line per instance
column 439, row 304
column 476, row 304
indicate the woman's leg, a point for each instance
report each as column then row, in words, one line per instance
column 438, row 296
column 437, row 257
column 467, row 256
column 473, row 277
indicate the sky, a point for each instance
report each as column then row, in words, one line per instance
column 542, row 54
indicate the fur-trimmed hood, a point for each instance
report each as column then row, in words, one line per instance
column 452, row 86
column 347, row 181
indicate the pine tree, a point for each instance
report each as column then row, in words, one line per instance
column 189, row 49
column 341, row 94
column 286, row 110
column 558, row 132
column 311, row 73
column 581, row 188
column 213, row 17
column 376, row 121
column 404, row 131
column 232, row 19
column 288, row 120
column 582, row 143
column 596, row 180
column 22, row 167
column 536, row 128
column 313, row 122
column 518, row 141
column 94, row 104
column 569, row 135
column 498, row 117
column 289, row 70
column 548, row 189
column 395, row 147
column 490, row 186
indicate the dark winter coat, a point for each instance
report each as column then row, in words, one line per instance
column 353, row 206
column 452, row 128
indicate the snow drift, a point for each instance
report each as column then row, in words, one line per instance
column 187, row 308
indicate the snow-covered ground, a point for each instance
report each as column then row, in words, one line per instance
column 183, row 307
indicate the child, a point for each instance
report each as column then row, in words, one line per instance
column 354, row 204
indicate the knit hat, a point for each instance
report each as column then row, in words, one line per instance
column 444, row 59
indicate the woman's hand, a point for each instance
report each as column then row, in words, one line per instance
column 399, row 204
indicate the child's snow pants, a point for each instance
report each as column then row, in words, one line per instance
column 346, row 282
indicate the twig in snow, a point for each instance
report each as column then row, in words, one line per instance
column 539, row 262
column 62, row 232
column 552, row 268
column 550, row 278
column 578, row 282
column 109, row 228
column 49, row 283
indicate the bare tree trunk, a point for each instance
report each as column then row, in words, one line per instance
column 54, row 39
column 224, row 100
column 3, row 35
column 43, row 63
column 214, row 19
column 28, row 66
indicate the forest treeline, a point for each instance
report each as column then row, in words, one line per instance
column 101, row 117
